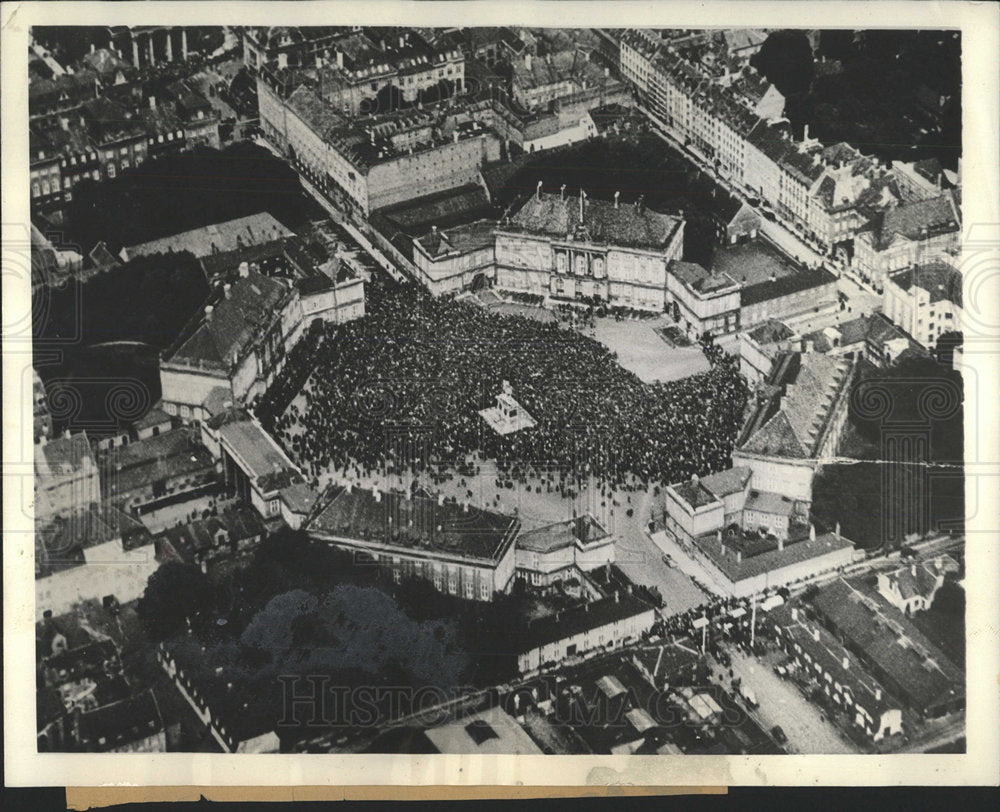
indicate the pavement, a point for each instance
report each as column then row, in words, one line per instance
column 641, row 351
column 782, row 704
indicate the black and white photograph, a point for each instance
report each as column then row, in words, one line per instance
column 501, row 390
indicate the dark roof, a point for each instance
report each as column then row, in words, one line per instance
column 62, row 538
column 890, row 641
column 416, row 523
column 121, row 723
column 236, row 524
column 916, row 220
column 256, row 449
column 154, row 459
column 216, row 238
column 695, row 277
column 939, row 279
column 440, row 208
column 771, row 332
column 798, row 427
column 552, row 628
column 459, row 239
column 583, row 529
column 64, row 455
column 154, row 417
column 237, row 321
column 830, row 655
column 752, row 565
column 727, row 482
column 625, row 225
column 694, row 493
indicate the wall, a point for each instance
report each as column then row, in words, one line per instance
column 789, row 477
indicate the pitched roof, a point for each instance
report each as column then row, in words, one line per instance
column 594, row 615
column 624, row 225
column 217, row 340
column 416, row 523
column 64, row 455
column 121, row 723
column 940, row 280
column 256, row 450
column 936, row 215
column 890, row 641
column 459, row 239
column 695, row 277
column 236, row 524
column 772, row 559
column 727, row 482
column 798, row 427
column 216, row 238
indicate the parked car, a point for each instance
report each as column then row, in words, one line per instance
column 749, row 696
column 779, row 735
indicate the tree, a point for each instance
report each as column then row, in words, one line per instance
column 177, row 594
column 786, row 60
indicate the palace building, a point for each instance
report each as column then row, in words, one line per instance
column 576, row 248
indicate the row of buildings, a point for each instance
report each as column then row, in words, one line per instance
column 379, row 112
column 118, row 129
column 573, row 248
column 888, row 216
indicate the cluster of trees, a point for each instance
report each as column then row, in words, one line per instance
column 109, row 332
column 875, row 98
column 177, row 193
column 304, row 608
column 878, row 501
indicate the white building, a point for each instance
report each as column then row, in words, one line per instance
column 569, row 248
column 925, row 301
column 557, row 552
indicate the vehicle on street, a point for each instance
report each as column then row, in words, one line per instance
column 749, row 696
column 669, row 561
column 779, row 735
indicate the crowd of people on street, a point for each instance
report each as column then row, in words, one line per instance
column 401, row 390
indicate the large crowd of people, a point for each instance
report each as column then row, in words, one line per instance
column 402, row 389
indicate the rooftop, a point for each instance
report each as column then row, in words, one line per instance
column 63, row 456
column 219, row 339
column 416, row 522
column 771, row 332
column 916, row 220
column 458, row 239
column 939, row 279
column 492, row 732
column 216, row 238
column 202, row 535
column 892, row 643
column 60, row 542
column 732, row 480
column 566, row 624
column 830, row 655
column 581, row 530
column 752, row 565
column 629, row 225
column 254, row 448
column 299, row 497
column 810, row 389
column 695, row 277
column 121, row 723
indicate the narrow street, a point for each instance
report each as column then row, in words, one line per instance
column 783, row 705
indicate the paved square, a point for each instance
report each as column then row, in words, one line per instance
column 641, row 351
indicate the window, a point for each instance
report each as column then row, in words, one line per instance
column 170, row 136
column 96, row 175
column 125, row 164
column 469, row 594
column 111, row 169
column 123, row 151
column 35, row 190
column 484, row 591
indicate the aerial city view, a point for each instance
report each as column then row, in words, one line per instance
column 497, row 390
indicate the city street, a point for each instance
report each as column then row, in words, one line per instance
column 783, row 705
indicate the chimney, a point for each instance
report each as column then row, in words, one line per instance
column 739, row 556
column 913, row 569
column 454, row 136
column 465, row 507
column 583, row 199
column 538, row 190
column 441, row 498
column 377, row 494
column 816, row 634
column 282, row 61
column 152, row 102
column 795, row 613
column 562, row 192
column 846, row 662
column 781, row 543
column 226, row 289
column 208, row 312
column 340, row 59
column 878, row 693
column 349, row 487
column 805, row 133
column 617, row 195
column 244, row 270
column 812, row 532
column 527, row 61
column 64, row 122
column 616, row 596
column 402, row 40
column 808, row 345
column 434, row 229
column 836, row 530
column 640, row 204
